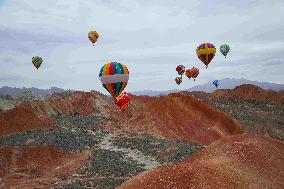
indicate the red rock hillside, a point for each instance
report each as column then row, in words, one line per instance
column 70, row 103
column 37, row 167
column 177, row 117
column 259, row 111
column 240, row 161
column 22, row 118
column 244, row 92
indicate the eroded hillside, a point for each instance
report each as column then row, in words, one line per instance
column 98, row 146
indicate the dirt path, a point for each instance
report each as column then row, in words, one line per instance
column 136, row 155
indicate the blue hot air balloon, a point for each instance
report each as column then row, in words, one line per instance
column 216, row 83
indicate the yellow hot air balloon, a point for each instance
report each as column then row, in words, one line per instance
column 93, row 36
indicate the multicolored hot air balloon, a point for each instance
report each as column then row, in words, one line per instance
column 122, row 101
column 216, row 83
column 206, row 52
column 193, row 73
column 93, row 36
column 178, row 80
column 187, row 73
column 180, row 69
column 114, row 77
column 37, row 61
column 224, row 49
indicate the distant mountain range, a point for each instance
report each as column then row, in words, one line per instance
column 13, row 91
column 226, row 83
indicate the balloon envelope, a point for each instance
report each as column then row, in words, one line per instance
column 187, row 73
column 180, row 69
column 193, row 72
column 93, row 36
column 122, row 101
column 206, row 52
column 224, row 49
column 37, row 61
column 216, row 83
column 114, row 77
column 178, row 80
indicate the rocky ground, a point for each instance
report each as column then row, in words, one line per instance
column 238, row 162
column 258, row 118
column 261, row 112
column 114, row 158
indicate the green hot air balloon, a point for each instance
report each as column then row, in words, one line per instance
column 224, row 49
column 37, row 61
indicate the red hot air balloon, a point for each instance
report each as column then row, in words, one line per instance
column 180, row 69
column 122, row 101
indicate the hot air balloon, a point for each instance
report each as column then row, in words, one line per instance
column 122, row 101
column 216, row 83
column 178, row 80
column 114, row 77
column 180, row 69
column 193, row 72
column 206, row 52
column 224, row 49
column 37, row 61
column 187, row 73
column 93, row 36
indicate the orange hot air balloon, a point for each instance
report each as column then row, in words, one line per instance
column 122, row 101
column 187, row 73
column 193, row 73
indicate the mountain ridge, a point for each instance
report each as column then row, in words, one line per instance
column 15, row 91
column 227, row 83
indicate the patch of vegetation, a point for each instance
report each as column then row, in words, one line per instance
column 75, row 185
column 163, row 150
column 109, row 163
column 109, row 183
column 66, row 139
column 255, row 116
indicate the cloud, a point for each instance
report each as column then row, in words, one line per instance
column 151, row 38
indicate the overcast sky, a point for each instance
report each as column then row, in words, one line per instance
column 151, row 37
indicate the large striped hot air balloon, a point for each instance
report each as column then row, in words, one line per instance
column 206, row 52
column 114, row 77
